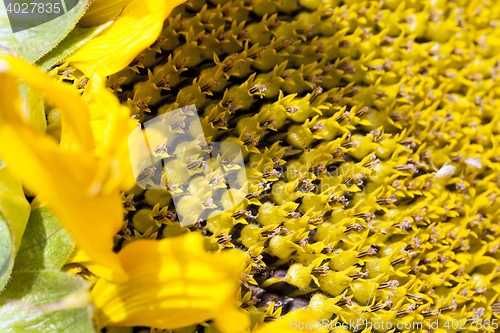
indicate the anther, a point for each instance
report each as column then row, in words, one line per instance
column 257, row 54
column 164, row 82
column 398, row 261
column 343, row 116
column 380, row 306
column 388, row 201
column 83, row 84
column 365, row 216
column 344, row 301
column 315, row 94
column 210, row 85
column 137, row 60
column 364, row 110
column 327, row 13
column 258, row 88
column 286, row 43
column 267, row 122
column 317, row 220
column 416, row 298
column 306, row 30
column 346, row 67
column 353, row 180
column 159, row 41
column 250, row 140
column 429, row 313
column 372, row 164
column 223, row 238
column 369, row 252
column 305, row 186
column 320, row 271
column 403, row 313
column 358, row 275
column 389, row 284
column 452, row 307
column 141, row 105
column 202, row 39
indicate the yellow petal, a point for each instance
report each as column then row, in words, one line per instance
column 137, row 27
column 76, row 132
column 102, row 11
column 78, row 256
column 64, row 176
column 111, row 126
column 173, row 283
column 296, row 321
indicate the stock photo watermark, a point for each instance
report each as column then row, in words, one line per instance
column 361, row 324
column 170, row 152
column 27, row 14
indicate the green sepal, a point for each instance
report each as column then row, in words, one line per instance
column 14, row 213
column 45, row 244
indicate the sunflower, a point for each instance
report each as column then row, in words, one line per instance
column 366, row 202
column 171, row 283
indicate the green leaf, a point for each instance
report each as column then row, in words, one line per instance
column 5, row 252
column 33, row 106
column 32, row 44
column 72, row 43
column 14, row 213
column 45, row 244
column 46, row 301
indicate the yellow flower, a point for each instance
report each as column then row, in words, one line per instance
column 137, row 27
column 169, row 283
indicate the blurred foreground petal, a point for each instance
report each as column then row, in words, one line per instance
column 68, row 176
column 296, row 321
column 137, row 27
column 101, row 11
column 173, row 283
